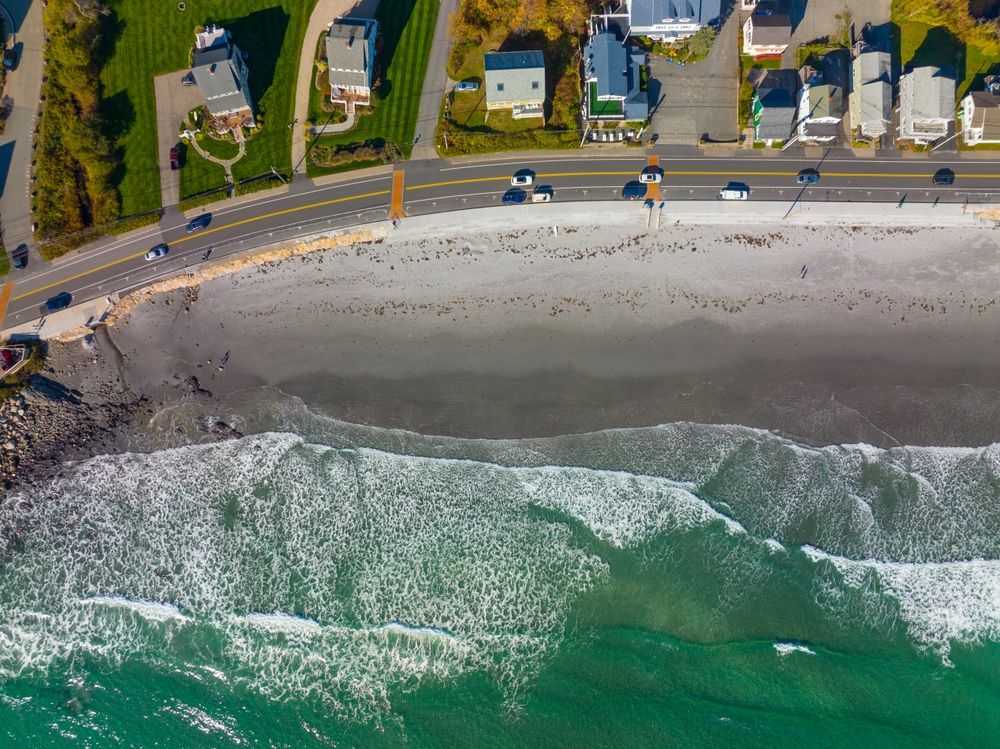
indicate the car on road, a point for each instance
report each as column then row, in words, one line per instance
column 542, row 194
column 734, row 191
column 523, row 178
column 944, row 177
column 467, row 86
column 58, row 302
column 199, row 223
column 634, row 191
column 651, row 175
column 156, row 252
column 19, row 257
column 175, row 158
column 808, row 177
column 514, row 196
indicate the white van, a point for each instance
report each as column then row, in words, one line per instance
column 734, row 192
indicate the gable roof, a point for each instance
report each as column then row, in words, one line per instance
column 514, row 76
column 215, row 70
column 771, row 28
column 987, row 114
column 872, row 72
column 607, row 61
column 656, row 12
column 349, row 44
column 928, row 93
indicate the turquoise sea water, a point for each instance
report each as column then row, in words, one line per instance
column 684, row 585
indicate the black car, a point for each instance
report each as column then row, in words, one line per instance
column 944, row 177
column 514, row 196
column 634, row 191
column 199, row 223
column 19, row 258
column 58, row 302
column 10, row 58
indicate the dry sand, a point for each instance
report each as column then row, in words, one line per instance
column 890, row 336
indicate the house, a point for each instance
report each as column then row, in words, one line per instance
column 822, row 99
column 350, row 58
column 766, row 34
column 980, row 113
column 870, row 101
column 926, row 104
column 612, row 89
column 221, row 74
column 671, row 20
column 516, row 81
column 774, row 104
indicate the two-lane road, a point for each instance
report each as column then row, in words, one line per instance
column 441, row 186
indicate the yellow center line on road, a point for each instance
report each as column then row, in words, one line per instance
column 125, row 259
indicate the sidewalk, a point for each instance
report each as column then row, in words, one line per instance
column 68, row 323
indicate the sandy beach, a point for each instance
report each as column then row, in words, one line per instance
column 830, row 334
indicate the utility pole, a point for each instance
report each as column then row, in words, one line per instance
column 277, row 174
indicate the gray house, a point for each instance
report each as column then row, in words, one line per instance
column 612, row 88
column 516, row 81
column 774, row 104
column 870, row 101
column 350, row 58
column 220, row 72
column 926, row 104
column 823, row 99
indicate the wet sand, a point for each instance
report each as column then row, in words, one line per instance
column 888, row 336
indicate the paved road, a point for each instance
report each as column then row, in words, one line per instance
column 440, row 185
column 24, row 86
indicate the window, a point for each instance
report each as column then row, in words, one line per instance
column 499, row 87
column 534, row 85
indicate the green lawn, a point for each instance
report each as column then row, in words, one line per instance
column 600, row 108
column 4, row 262
column 150, row 42
column 199, row 175
column 220, row 149
column 407, row 31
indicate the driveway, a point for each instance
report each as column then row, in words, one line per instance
column 324, row 12
column 813, row 20
column 435, row 84
column 173, row 101
column 24, row 86
column 700, row 98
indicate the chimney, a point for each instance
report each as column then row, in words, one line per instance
column 211, row 70
column 350, row 40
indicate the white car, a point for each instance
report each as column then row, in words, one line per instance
column 159, row 251
column 651, row 176
column 541, row 195
column 522, row 179
column 734, row 192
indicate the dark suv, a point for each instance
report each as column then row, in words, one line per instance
column 19, row 258
column 58, row 302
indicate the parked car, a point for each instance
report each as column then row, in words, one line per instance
column 808, row 177
column 19, row 258
column 159, row 251
column 58, row 302
column 199, row 223
column 522, row 178
column 634, row 191
column 734, row 191
column 944, row 177
column 175, row 158
column 651, row 175
column 514, row 197
column 542, row 194
column 467, row 86
column 11, row 58
column 188, row 79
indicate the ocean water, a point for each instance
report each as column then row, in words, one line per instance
column 329, row 585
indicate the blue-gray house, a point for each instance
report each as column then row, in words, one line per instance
column 612, row 86
column 671, row 20
column 350, row 58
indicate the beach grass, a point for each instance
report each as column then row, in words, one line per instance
column 406, row 28
column 149, row 43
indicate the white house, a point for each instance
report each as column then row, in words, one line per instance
column 871, row 91
column 926, row 104
column 980, row 113
column 766, row 34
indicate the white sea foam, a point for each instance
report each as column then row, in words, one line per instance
column 787, row 648
column 151, row 610
column 284, row 623
column 939, row 602
column 774, row 544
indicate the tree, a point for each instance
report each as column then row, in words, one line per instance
column 701, row 43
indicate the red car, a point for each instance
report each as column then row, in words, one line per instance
column 175, row 157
